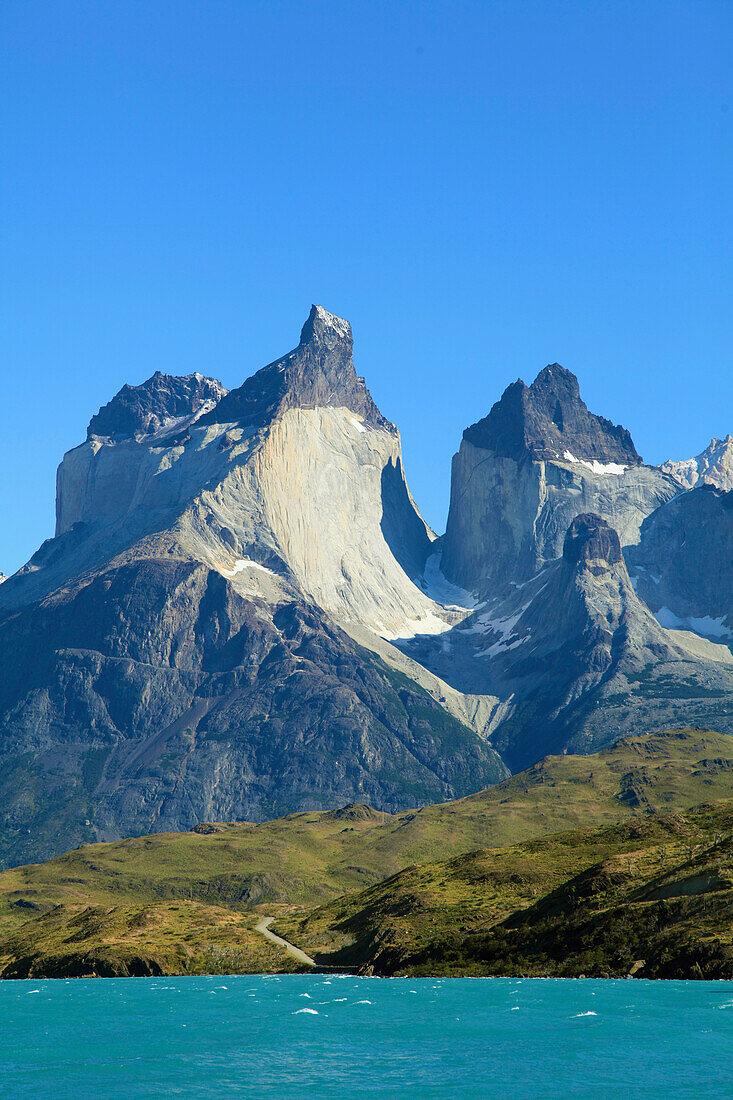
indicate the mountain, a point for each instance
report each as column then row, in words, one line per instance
column 714, row 466
column 242, row 613
column 537, row 460
column 179, row 651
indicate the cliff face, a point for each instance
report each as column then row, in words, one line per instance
column 523, row 472
column 683, row 564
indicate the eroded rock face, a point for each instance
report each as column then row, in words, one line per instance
column 154, row 695
column 537, row 460
column 714, row 466
column 683, row 564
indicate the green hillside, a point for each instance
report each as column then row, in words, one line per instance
column 312, row 858
column 654, row 896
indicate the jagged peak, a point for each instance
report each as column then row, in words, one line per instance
column 325, row 327
column 557, row 378
column 318, row 373
column 548, row 419
column 713, row 466
column 143, row 410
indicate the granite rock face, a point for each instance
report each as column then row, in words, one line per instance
column 683, row 564
column 523, row 472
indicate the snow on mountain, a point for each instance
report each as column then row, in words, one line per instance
column 713, row 466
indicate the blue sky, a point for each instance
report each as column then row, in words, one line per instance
column 480, row 188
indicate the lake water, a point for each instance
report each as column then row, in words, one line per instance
column 315, row 1036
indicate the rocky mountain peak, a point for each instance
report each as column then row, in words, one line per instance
column 590, row 541
column 318, row 373
column 325, row 328
column 549, row 420
column 162, row 400
column 713, row 466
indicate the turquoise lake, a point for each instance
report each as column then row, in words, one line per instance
column 315, row 1036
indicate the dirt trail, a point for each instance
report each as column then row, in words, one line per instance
column 263, row 926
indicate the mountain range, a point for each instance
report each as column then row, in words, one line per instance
column 242, row 613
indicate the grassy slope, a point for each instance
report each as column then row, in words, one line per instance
column 590, row 902
column 177, row 937
column 310, row 858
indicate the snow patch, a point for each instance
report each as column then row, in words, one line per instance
column 706, row 625
column 246, row 563
column 595, row 466
column 443, row 591
column 357, row 424
column 411, row 628
column 504, row 627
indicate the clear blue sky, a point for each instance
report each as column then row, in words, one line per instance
column 480, row 188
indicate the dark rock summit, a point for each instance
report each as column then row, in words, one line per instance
column 523, row 472
column 144, row 410
column 591, row 541
column 319, row 372
column 548, row 419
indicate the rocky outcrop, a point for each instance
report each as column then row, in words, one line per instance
column 548, row 419
column 683, row 565
column 319, row 373
column 158, row 404
column 714, row 466
column 578, row 660
column 523, row 472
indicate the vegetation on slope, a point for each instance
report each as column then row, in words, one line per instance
column 181, row 937
column 653, row 896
